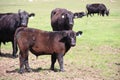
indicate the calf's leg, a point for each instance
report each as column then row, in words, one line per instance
column 22, row 59
column 27, row 67
column 53, row 60
column 60, row 61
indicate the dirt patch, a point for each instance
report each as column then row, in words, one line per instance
column 9, row 70
column 107, row 49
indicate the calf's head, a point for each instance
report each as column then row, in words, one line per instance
column 70, row 37
column 24, row 17
column 79, row 14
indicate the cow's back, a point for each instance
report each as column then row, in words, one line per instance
column 102, row 7
column 8, row 26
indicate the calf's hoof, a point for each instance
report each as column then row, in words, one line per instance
column 20, row 71
column 28, row 70
column 52, row 69
column 62, row 70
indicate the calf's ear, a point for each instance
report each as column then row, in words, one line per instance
column 32, row 14
column 79, row 33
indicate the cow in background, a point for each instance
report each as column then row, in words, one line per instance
column 63, row 19
column 9, row 22
column 40, row 42
column 79, row 14
column 98, row 8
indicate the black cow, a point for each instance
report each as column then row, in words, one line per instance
column 39, row 42
column 79, row 14
column 98, row 8
column 9, row 22
column 62, row 19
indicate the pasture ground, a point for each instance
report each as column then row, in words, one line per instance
column 96, row 55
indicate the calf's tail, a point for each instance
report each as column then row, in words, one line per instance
column 15, row 40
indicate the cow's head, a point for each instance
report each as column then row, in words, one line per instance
column 70, row 37
column 68, row 17
column 24, row 17
column 79, row 14
column 107, row 12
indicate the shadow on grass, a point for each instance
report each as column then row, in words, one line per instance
column 40, row 69
column 117, row 64
column 12, row 71
column 33, row 70
column 7, row 55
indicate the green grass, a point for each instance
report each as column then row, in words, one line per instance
column 99, row 46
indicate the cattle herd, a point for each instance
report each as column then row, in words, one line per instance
column 13, row 28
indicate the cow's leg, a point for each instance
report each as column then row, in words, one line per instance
column 87, row 14
column 53, row 60
column 15, row 49
column 90, row 14
column 0, row 48
column 103, row 14
column 27, row 67
column 22, row 59
column 100, row 13
column 60, row 61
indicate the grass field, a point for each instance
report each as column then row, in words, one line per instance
column 96, row 55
